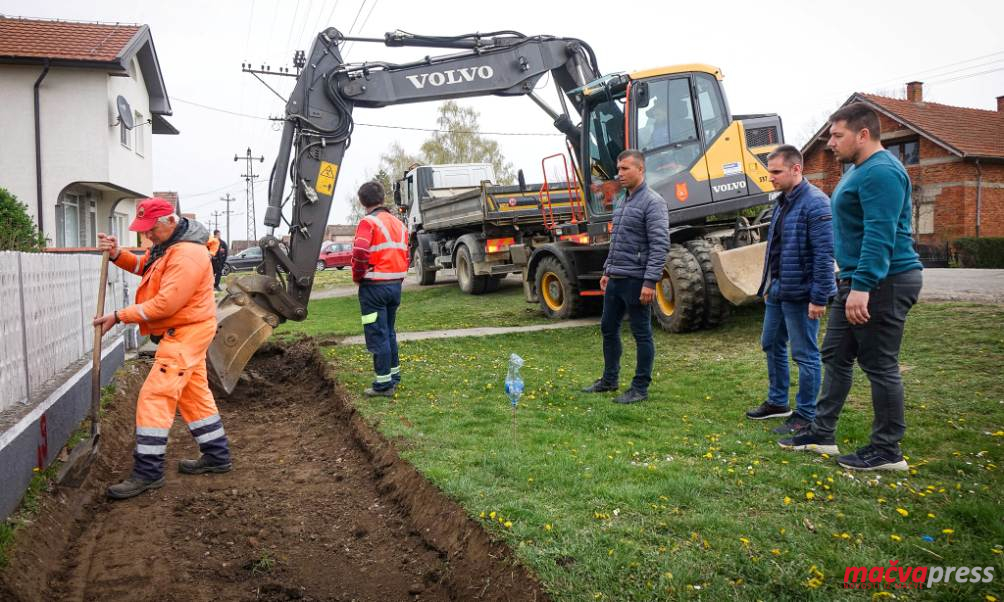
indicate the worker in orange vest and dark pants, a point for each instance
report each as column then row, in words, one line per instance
column 175, row 306
column 379, row 265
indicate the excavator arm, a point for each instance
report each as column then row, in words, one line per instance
column 318, row 129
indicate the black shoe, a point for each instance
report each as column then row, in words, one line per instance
column 132, row 487
column 768, row 410
column 793, row 424
column 631, row 396
column 806, row 441
column 371, row 392
column 202, row 466
column 600, row 387
column 869, row 458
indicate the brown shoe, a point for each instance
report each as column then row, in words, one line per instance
column 132, row 487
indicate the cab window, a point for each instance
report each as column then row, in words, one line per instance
column 606, row 141
column 709, row 100
column 667, row 130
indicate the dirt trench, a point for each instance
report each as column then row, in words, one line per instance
column 318, row 507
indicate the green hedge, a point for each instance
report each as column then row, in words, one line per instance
column 17, row 229
column 979, row 252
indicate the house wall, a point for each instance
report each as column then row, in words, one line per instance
column 944, row 188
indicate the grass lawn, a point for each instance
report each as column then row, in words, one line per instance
column 681, row 496
column 332, row 277
column 433, row 308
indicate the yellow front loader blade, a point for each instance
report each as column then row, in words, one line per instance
column 739, row 272
column 242, row 327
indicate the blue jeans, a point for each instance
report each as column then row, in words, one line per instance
column 784, row 322
column 378, row 305
column 622, row 294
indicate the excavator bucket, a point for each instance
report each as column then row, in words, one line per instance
column 739, row 272
column 242, row 327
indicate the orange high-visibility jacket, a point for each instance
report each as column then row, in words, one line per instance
column 387, row 255
column 213, row 245
column 176, row 291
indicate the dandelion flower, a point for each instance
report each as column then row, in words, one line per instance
column 948, row 531
column 809, row 495
column 507, row 524
column 895, row 537
column 787, row 500
column 902, row 512
column 547, row 527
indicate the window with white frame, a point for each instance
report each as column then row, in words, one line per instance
column 120, row 227
column 125, row 135
column 138, row 132
column 76, row 220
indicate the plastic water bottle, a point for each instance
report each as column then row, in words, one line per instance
column 513, row 381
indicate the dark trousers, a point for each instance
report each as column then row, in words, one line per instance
column 378, row 304
column 622, row 295
column 217, row 273
column 875, row 345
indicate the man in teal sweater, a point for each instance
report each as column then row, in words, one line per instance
column 879, row 280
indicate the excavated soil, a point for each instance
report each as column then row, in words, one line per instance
column 318, row 507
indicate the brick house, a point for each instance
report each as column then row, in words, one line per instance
column 954, row 155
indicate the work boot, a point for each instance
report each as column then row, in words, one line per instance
column 201, row 466
column 631, row 396
column 132, row 487
column 371, row 392
column 599, row 387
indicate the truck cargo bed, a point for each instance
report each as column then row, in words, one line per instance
column 497, row 205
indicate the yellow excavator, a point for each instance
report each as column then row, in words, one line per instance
column 708, row 164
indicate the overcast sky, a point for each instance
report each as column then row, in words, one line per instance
column 798, row 59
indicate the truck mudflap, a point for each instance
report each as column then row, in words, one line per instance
column 739, row 272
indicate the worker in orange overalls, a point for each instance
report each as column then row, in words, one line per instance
column 379, row 265
column 217, row 256
column 175, row 306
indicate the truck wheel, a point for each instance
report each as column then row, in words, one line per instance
column 679, row 295
column 558, row 292
column 425, row 276
column 716, row 308
column 492, row 284
column 469, row 283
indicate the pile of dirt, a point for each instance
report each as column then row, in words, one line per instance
column 319, row 506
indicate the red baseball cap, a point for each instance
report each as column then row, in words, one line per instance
column 147, row 213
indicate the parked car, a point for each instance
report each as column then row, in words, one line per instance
column 335, row 255
column 248, row 259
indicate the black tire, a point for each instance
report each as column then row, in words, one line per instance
column 320, row 266
column 557, row 290
column 679, row 302
column 469, row 283
column 339, row 267
column 227, row 269
column 716, row 307
column 425, row 276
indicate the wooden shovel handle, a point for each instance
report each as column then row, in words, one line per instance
column 96, row 358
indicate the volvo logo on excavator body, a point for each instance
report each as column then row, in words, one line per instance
column 729, row 187
column 451, row 76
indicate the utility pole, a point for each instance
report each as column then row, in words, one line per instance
column 249, row 177
column 216, row 220
column 228, row 199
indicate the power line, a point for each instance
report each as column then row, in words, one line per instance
column 217, row 109
column 966, row 76
column 899, row 78
column 350, row 45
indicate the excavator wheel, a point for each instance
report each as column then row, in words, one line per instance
column 679, row 295
column 716, row 308
column 558, row 292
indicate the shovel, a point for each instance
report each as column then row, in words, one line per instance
column 76, row 467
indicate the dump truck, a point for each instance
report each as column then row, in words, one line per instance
column 458, row 218
column 709, row 164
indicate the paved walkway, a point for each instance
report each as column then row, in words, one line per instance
column 954, row 284
column 477, row 332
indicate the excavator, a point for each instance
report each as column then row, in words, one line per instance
column 708, row 164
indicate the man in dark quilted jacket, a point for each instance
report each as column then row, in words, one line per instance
column 639, row 242
column 798, row 280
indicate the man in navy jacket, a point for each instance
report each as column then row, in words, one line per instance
column 798, row 280
column 639, row 243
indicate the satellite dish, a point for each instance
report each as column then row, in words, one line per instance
column 125, row 112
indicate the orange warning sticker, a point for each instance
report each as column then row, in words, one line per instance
column 326, row 178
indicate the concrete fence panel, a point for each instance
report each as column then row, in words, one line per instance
column 13, row 369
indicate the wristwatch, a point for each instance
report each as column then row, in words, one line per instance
column 116, row 314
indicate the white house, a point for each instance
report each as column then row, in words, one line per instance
column 68, row 92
